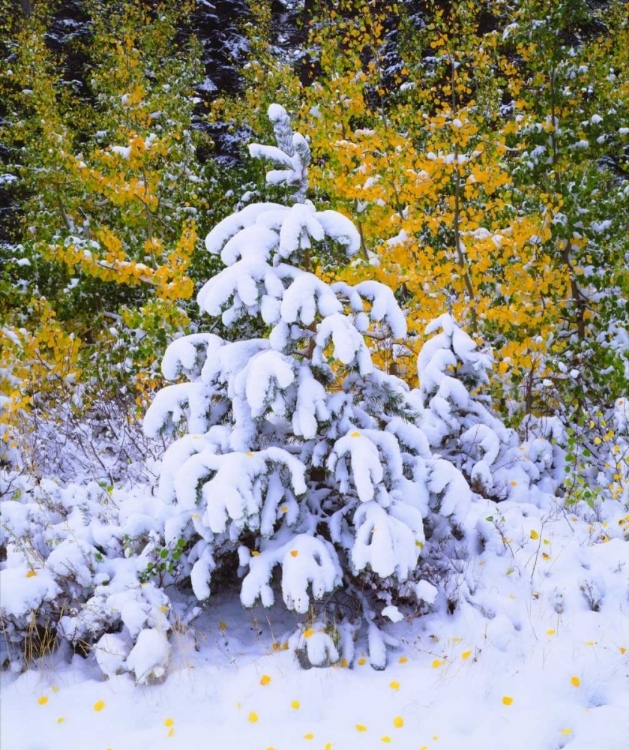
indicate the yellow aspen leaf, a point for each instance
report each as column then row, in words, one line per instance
column 254, row 553
column 623, row 650
column 566, row 731
column 328, row 746
column 308, row 633
column 575, row 681
column 31, row 574
column 466, row 654
column 42, row 700
column 265, row 679
column 436, row 663
column 222, row 626
column 294, row 552
column 60, row 720
column 545, row 556
column 169, row 722
column 343, row 663
column 309, row 736
column 253, row 717
column 295, row 705
column 386, row 738
column 402, row 660
column 550, row 632
column 513, row 483
column 362, row 661
column 361, row 728
column 394, row 685
column 284, row 508
column 507, row 700
column 99, row 705
column 534, row 534
column 171, row 732
column 590, row 643
column 398, row 722
column 354, row 434
column 54, row 689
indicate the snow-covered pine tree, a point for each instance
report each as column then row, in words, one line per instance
column 300, row 454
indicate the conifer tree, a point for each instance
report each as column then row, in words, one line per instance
column 300, row 453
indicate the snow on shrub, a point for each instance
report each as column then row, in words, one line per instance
column 300, row 455
column 76, row 572
column 462, row 428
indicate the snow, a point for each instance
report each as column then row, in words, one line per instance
column 149, row 656
column 23, row 593
column 523, row 662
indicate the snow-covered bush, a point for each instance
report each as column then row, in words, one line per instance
column 76, row 570
column 462, row 428
column 300, row 456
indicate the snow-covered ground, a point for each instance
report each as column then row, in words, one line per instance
column 535, row 657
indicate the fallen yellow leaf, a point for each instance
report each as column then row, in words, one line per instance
column 398, row 722
column 534, row 534
column 60, row 720
column 99, row 705
column 550, row 632
column 466, row 655
column 309, row 736
column 253, row 717
column 295, row 704
column 575, row 681
column 168, row 722
column 294, row 552
column 395, row 685
column 362, row 661
column 566, row 731
column 437, row 663
column 386, row 738
column 507, row 700
column 31, row 574
column 42, row 700
column 361, row 728
column 265, row 679
column 402, row 660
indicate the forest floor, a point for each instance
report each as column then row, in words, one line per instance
column 536, row 657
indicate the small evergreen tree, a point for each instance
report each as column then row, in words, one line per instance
column 300, row 453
